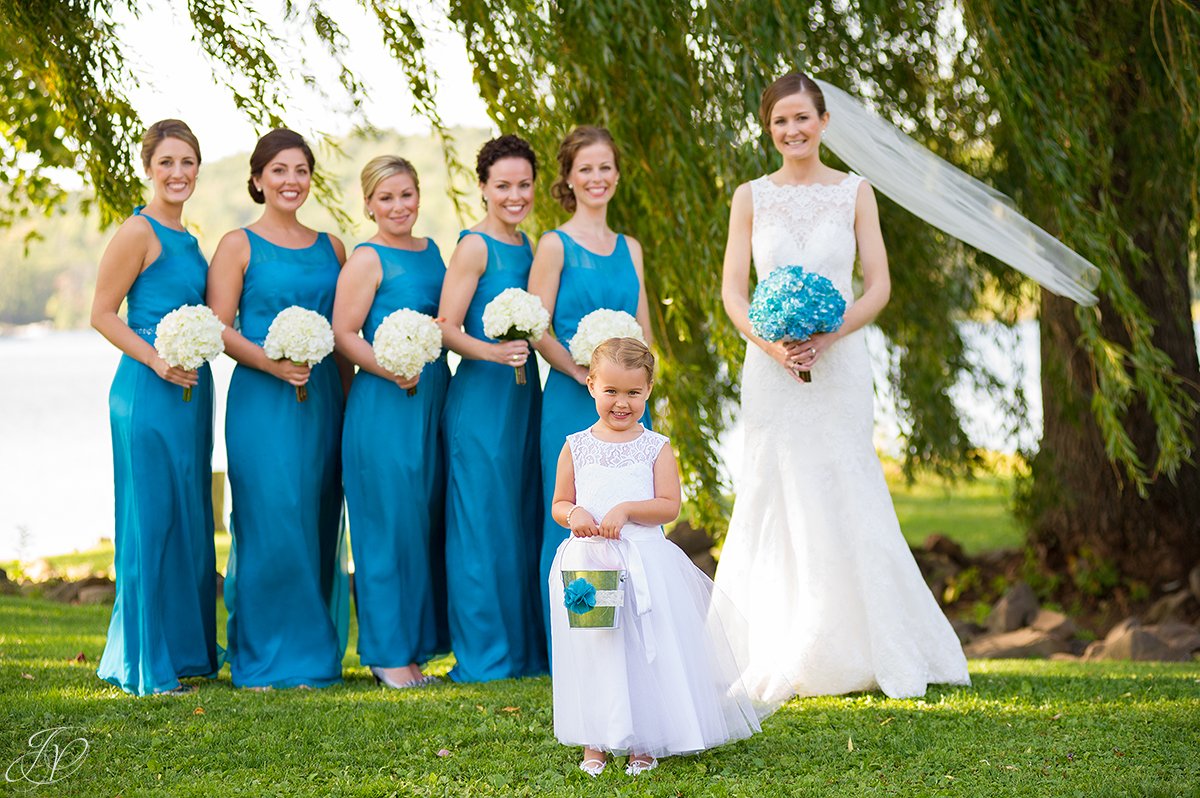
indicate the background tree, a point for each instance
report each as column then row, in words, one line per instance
column 1100, row 140
column 1085, row 112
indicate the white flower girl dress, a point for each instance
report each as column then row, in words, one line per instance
column 665, row 680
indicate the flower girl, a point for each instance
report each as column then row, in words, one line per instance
column 640, row 662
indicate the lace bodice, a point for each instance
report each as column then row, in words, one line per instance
column 810, row 226
column 607, row 474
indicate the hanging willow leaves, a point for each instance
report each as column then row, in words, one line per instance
column 1085, row 112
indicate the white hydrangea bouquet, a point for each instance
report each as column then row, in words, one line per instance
column 515, row 315
column 188, row 337
column 405, row 341
column 302, row 336
column 597, row 327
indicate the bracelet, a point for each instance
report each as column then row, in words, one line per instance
column 569, row 513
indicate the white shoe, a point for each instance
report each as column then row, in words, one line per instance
column 637, row 766
column 593, row 767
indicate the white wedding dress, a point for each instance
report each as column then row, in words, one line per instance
column 814, row 558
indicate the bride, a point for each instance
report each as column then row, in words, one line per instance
column 814, row 556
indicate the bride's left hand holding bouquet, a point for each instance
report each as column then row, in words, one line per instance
column 302, row 336
column 515, row 315
column 187, row 338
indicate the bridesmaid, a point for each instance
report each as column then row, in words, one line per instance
column 163, row 625
column 580, row 267
column 493, row 502
column 391, row 444
column 286, row 585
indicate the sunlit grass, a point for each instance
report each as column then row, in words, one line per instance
column 1024, row 728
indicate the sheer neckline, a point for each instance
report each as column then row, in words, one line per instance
column 490, row 237
column 575, row 241
column 618, row 443
column 767, row 179
column 281, row 246
column 376, row 244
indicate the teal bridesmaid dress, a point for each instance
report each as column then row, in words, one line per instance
column 493, row 498
column 589, row 282
column 393, row 470
column 163, row 623
column 286, row 585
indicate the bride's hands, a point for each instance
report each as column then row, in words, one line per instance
column 805, row 354
column 801, row 356
column 782, row 353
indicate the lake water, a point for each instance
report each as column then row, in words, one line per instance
column 56, row 491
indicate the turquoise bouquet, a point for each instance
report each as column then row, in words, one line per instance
column 791, row 304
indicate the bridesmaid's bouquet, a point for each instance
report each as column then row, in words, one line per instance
column 515, row 315
column 302, row 336
column 597, row 327
column 791, row 304
column 405, row 341
column 188, row 337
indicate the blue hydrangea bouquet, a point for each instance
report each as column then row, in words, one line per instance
column 791, row 304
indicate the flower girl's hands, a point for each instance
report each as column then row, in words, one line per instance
column 174, row 374
column 291, row 373
column 583, row 523
column 510, row 353
column 614, row 521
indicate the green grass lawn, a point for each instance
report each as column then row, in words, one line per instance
column 976, row 514
column 1024, row 728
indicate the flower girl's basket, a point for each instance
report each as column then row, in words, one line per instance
column 593, row 574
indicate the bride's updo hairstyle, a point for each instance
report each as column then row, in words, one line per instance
column 268, row 147
column 786, row 86
column 576, row 140
column 627, row 353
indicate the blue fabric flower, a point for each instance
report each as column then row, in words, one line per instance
column 790, row 303
column 580, row 596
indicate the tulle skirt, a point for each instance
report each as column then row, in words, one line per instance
column 666, row 680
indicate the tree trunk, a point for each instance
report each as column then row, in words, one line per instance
column 1087, row 515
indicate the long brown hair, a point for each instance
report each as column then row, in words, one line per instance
column 167, row 129
column 576, row 140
